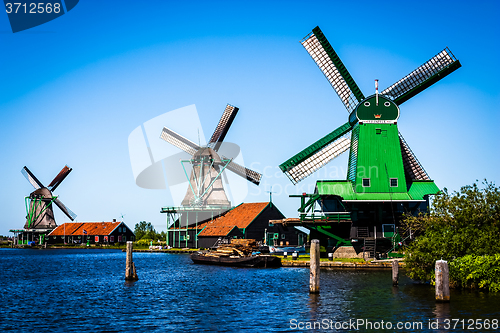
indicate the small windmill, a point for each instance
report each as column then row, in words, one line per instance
column 205, row 182
column 40, row 214
column 372, row 122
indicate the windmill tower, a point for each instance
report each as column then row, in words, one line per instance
column 206, row 191
column 40, row 215
column 384, row 177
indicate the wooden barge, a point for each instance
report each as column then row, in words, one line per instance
column 258, row 260
column 239, row 253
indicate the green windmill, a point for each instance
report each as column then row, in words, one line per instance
column 384, row 177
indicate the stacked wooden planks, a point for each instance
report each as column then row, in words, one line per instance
column 238, row 247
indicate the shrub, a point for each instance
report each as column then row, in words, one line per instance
column 464, row 223
column 476, row 272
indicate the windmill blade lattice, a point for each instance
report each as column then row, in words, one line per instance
column 31, row 178
column 423, row 77
column 332, row 67
column 244, row 172
column 318, row 160
column 224, row 123
column 179, row 141
column 59, row 178
column 69, row 213
column 413, row 168
column 318, row 154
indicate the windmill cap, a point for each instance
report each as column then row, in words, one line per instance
column 43, row 192
column 377, row 109
column 207, row 152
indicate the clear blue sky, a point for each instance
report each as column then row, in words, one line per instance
column 73, row 89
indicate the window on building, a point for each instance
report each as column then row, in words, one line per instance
column 96, row 239
column 124, row 238
column 112, row 239
column 366, row 182
column 105, row 239
column 394, row 182
column 283, row 236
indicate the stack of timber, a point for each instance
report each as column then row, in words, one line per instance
column 241, row 247
column 239, row 253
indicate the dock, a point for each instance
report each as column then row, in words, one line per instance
column 164, row 250
column 339, row 264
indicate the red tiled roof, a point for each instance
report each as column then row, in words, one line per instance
column 240, row 217
column 218, row 231
column 92, row 228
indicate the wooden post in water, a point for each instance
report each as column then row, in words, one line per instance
column 442, row 281
column 130, row 272
column 314, row 266
column 395, row 272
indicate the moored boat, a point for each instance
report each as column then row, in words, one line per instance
column 280, row 250
column 240, row 253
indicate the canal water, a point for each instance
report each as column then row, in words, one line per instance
column 84, row 290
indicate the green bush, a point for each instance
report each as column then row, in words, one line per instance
column 476, row 272
column 464, row 223
column 144, row 242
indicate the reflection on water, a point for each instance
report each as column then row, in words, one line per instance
column 82, row 290
column 314, row 304
column 442, row 313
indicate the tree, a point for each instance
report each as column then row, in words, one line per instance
column 459, row 224
column 145, row 230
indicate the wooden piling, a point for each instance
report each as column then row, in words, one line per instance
column 130, row 272
column 314, row 267
column 442, row 281
column 395, row 272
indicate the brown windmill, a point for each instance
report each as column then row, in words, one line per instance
column 40, row 214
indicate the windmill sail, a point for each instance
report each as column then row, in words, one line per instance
column 423, row 77
column 59, row 178
column 65, row 209
column 332, row 67
column 317, row 155
column 413, row 169
column 31, row 178
column 179, row 141
column 244, row 172
column 224, row 123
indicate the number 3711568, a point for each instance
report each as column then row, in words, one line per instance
column 32, row 8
